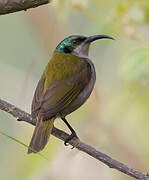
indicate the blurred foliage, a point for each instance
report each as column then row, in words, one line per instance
column 135, row 68
column 114, row 119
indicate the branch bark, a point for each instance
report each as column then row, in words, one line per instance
column 10, row 6
column 112, row 163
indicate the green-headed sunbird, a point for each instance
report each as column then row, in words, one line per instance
column 65, row 85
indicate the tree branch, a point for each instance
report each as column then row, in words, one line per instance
column 10, row 6
column 112, row 163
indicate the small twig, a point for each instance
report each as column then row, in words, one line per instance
column 112, row 163
column 10, row 6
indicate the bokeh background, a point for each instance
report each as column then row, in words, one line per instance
column 115, row 119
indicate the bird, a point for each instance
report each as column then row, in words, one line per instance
column 65, row 85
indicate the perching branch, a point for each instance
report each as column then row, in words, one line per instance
column 112, row 163
column 10, row 6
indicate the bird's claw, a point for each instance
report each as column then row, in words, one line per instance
column 66, row 142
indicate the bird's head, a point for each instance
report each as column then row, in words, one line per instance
column 78, row 45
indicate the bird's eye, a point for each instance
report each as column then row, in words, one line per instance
column 74, row 42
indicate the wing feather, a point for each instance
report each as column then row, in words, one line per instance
column 62, row 88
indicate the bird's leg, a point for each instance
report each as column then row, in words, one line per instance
column 73, row 133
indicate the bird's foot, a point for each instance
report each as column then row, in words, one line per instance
column 72, row 136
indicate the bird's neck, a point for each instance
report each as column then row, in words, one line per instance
column 75, row 53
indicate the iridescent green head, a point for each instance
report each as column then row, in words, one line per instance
column 70, row 43
column 78, row 45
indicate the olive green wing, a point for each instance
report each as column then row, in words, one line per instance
column 57, row 89
column 38, row 96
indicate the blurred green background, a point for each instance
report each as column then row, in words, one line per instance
column 115, row 119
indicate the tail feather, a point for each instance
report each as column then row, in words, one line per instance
column 41, row 135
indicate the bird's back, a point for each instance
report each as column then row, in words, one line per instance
column 64, row 78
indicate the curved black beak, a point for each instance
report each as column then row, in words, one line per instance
column 96, row 37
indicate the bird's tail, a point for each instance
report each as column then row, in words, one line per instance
column 41, row 134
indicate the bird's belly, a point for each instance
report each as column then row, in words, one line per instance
column 81, row 98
